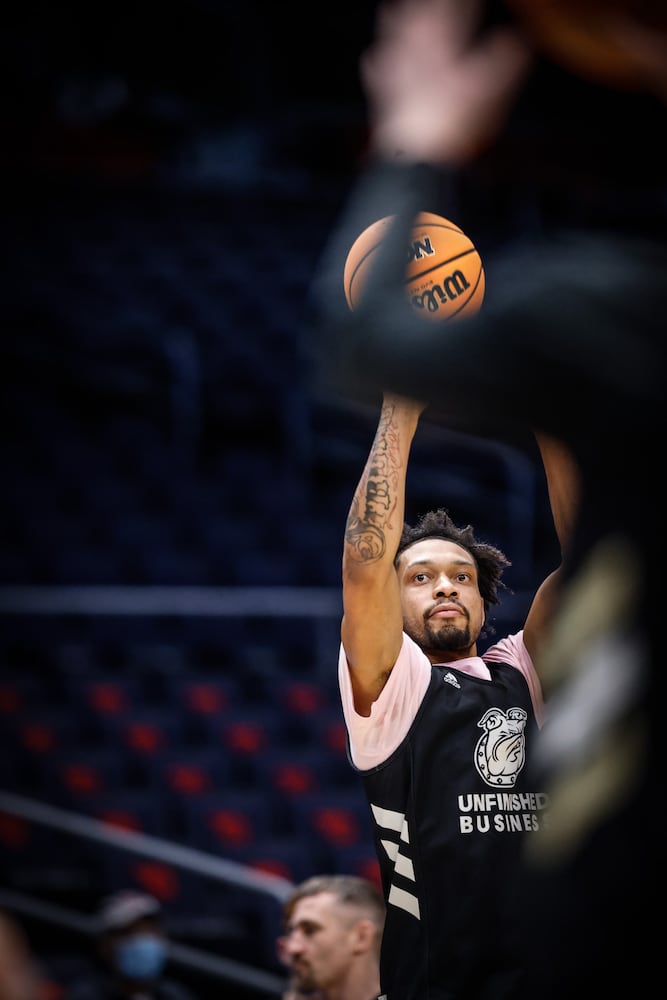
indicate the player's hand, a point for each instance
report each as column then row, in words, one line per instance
column 436, row 92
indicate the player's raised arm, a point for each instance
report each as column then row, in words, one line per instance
column 562, row 476
column 371, row 630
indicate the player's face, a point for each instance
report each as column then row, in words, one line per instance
column 443, row 610
column 317, row 946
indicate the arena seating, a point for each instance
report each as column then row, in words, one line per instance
column 160, row 431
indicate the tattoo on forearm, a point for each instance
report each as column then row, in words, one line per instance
column 375, row 498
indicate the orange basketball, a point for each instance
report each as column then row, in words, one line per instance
column 586, row 37
column 444, row 276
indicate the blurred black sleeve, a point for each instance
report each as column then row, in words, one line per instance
column 572, row 327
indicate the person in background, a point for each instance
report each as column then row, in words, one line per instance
column 330, row 943
column 132, row 950
column 19, row 975
column 571, row 341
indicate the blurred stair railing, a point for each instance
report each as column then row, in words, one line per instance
column 300, row 602
column 187, row 858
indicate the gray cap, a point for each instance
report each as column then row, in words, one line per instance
column 124, row 908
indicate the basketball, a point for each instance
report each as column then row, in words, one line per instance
column 444, row 277
column 586, row 36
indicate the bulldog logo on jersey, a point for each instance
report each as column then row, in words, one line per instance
column 501, row 751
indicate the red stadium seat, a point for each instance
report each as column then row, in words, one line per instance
column 227, row 822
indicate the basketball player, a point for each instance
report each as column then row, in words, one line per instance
column 572, row 342
column 440, row 735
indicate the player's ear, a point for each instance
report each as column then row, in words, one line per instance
column 364, row 931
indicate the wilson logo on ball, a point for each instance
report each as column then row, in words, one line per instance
column 444, row 276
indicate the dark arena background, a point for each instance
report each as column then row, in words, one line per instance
column 175, row 483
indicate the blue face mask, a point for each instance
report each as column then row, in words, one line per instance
column 141, row 956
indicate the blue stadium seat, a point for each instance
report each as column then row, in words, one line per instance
column 74, row 776
column 332, row 820
column 227, row 822
column 289, row 857
column 203, row 702
column 246, row 737
column 141, row 732
column 130, row 809
column 359, row 859
column 286, row 775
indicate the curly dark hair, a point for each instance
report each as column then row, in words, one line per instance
column 490, row 560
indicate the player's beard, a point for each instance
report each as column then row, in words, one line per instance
column 445, row 638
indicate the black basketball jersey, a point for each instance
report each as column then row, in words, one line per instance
column 450, row 811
